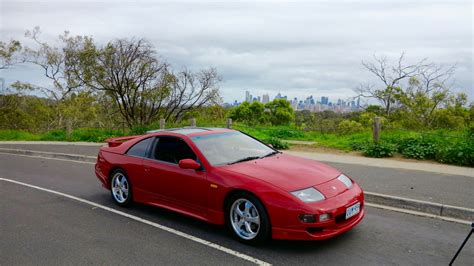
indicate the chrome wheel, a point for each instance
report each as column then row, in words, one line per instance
column 245, row 219
column 120, row 187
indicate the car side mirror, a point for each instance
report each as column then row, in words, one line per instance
column 189, row 164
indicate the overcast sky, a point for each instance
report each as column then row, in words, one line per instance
column 296, row 48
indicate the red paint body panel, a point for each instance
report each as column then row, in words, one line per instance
column 201, row 193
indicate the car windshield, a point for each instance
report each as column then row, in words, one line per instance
column 230, row 147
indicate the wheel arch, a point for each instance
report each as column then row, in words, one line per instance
column 111, row 172
column 236, row 191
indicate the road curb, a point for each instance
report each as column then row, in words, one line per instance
column 419, row 206
column 437, row 209
column 54, row 155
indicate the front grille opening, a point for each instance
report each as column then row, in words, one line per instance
column 314, row 230
column 342, row 218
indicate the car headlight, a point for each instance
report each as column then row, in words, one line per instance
column 345, row 180
column 308, row 195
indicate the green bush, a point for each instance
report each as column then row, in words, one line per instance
column 418, row 148
column 277, row 143
column 283, row 133
column 138, row 130
column 8, row 134
column 347, row 127
column 359, row 145
column 93, row 134
column 54, row 135
column 460, row 154
column 379, row 150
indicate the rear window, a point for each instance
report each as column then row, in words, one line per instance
column 140, row 149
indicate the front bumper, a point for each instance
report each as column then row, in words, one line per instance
column 337, row 225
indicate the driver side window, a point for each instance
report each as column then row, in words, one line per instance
column 172, row 150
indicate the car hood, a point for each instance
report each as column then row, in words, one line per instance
column 285, row 171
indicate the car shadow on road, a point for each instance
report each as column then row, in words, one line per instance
column 220, row 235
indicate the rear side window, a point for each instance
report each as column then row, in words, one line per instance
column 140, row 149
column 172, row 150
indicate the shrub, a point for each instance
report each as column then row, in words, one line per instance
column 359, row 145
column 460, row 154
column 347, row 127
column 378, row 150
column 277, row 143
column 54, row 135
column 418, row 148
column 138, row 130
column 93, row 134
column 284, row 133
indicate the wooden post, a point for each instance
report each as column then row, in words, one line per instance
column 162, row 123
column 193, row 122
column 377, row 126
column 229, row 122
column 68, row 128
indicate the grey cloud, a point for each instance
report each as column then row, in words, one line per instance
column 297, row 48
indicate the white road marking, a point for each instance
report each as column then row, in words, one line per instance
column 141, row 220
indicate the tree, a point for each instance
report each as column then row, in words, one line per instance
column 280, row 112
column 250, row 113
column 9, row 53
column 426, row 92
column 142, row 87
column 56, row 63
column 190, row 90
column 391, row 77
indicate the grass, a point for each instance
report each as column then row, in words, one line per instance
column 330, row 140
column 452, row 147
column 82, row 134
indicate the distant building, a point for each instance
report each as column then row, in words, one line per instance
column 265, row 98
column 248, row 96
column 324, row 100
column 294, row 103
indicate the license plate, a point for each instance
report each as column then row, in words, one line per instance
column 352, row 210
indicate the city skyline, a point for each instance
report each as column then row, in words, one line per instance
column 311, row 103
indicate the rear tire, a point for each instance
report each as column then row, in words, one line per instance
column 247, row 218
column 121, row 189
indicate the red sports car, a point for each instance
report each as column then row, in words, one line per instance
column 223, row 176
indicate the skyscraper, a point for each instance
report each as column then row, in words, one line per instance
column 324, row 100
column 265, row 98
column 248, row 96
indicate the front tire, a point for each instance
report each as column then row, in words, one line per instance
column 247, row 218
column 120, row 188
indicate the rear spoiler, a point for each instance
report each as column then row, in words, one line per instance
column 114, row 142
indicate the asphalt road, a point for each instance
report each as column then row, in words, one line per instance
column 434, row 187
column 42, row 228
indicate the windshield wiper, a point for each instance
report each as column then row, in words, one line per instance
column 270, row 154
column 246, row 159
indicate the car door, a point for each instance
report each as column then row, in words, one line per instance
column 133, row 164
column 171, row 184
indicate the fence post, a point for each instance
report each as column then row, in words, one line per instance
column 193, row 122
column 68, row 127
column 162, row 123
column 229, row 122
column 377, row 126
